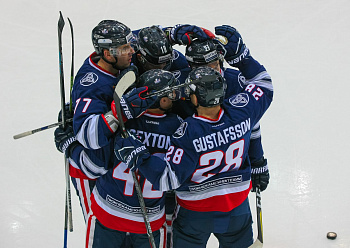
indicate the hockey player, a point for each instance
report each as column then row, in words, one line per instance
column 204, row 162
column 212, row 53
column 115, row 206
column 93, row 121
column 155, row 48
column 156, row 52
column 92, row 95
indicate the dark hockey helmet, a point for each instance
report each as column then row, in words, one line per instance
column 156, row 80
column 208, row 85
column 110, row 34
column 200, row 53
column 154, row 46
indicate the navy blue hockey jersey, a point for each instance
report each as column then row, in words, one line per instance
column 92, row 96
column 205, row 160
column 235, row 84
column 114, row 201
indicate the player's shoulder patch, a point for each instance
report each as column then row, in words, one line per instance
column 175, row 54
column 241, row 80
column 180, row 131
column 176, row 74
column 240, row 100
column 89, row 79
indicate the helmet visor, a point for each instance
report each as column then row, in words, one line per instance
column 122, row 49
column 174, row 94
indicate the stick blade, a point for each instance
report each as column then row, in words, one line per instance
column 60, row 23
column 256, row 244
column 124, row 83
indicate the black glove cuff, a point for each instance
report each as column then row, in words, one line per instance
column 259, row 162
column 70, row 149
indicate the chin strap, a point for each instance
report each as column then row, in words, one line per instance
column 196, row 106
column 166, row 111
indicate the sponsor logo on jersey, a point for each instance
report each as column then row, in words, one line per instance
column 239, row 58
column 239, row 100
column 180, row 131
column 152, row 122
column 130, row 209
column 89, row 79
column 216, row 183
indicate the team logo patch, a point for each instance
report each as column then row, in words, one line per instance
column 239, row 100
column 180, row 131
column 175, row 55
column 241, row 80
column 176, row 74
column 89, row 79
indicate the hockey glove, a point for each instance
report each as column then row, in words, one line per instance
column 133, row 104
column 67, row 113
column 65, row 140
column 131, row 151
column 234, row 50
column 209, row 33
column 260, row 174
column 183, row 34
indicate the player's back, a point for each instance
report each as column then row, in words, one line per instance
column 214, row 154
column 114, row 200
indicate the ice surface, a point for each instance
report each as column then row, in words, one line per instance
column 305, row 47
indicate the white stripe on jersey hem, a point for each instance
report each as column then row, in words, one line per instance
column 73, row 164
column 103, row 204
column 188, row 196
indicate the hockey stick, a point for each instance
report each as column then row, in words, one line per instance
column 27, row 133
column 72, row 67
column 60, row 26
column 259, row 241
column 68, row 203
column 124, row 83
